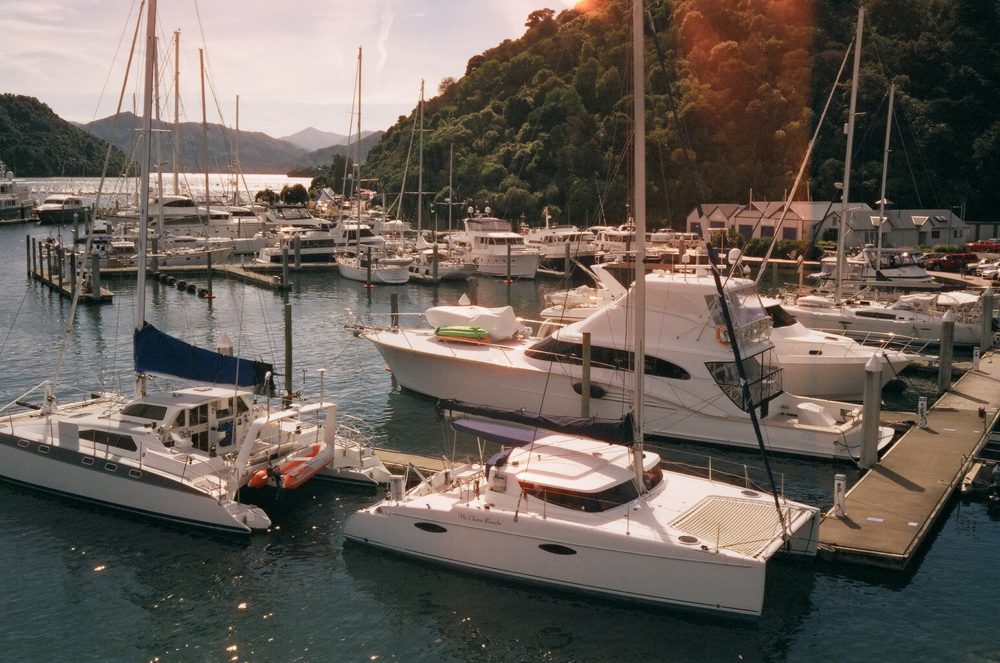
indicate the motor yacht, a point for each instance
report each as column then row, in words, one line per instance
column 692, row 391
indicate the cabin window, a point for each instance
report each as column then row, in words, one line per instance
column 198, row 415
column 780, row 317
column 878, row 315
column 763, row 378
column 145, row 411
column 615, row 496
column 551, row 349
column 224, row 408
column 108, row 438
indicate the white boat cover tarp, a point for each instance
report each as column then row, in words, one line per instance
column 500, row 323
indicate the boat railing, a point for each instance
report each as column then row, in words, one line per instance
column 359, row 329
column 749, row 477
column 754, row 331
column 354, row 432
column 884, row 340
column 195, row 469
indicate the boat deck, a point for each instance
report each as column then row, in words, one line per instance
column 890, row 511
column 398, row 461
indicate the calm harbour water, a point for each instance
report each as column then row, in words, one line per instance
column 82, row 583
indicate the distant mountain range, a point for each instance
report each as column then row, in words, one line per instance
column 313, row 139
column 258, row 152
column 35, row 142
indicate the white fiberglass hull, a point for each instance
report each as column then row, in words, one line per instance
column 522, row 265
column 830, row 366
column 387, row 275
column 647, row 550
column 921, row 328
column 112, row 482
column 694, row 409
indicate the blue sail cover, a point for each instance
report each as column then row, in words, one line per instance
column 162, row 354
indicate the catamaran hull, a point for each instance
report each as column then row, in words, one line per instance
column 535, row 550
column 108, row 482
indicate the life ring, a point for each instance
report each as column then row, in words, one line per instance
column 721, row 335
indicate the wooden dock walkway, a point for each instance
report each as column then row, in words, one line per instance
column 62, row 286
column 890, row 511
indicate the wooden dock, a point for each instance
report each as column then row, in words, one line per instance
column 891, row 510
column 64, row 287
column 50, row 266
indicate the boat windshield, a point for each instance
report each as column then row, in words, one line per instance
column 488, row 225
column 763, row 378
column 780, row 317
column 142, row 410
column 618, row 495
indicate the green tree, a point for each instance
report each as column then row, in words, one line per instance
column 295, row 194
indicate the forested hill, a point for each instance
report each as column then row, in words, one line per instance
column 544, row 120
column 36, row 142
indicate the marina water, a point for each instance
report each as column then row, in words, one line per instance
column 83, row 583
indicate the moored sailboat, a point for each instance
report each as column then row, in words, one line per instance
column 181, row 455
column 595, row 515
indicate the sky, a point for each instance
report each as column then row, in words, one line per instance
column 292, row 63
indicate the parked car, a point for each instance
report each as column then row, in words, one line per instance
column 985, row 265
column 984, row 246
column 922, row 258
column 950, row 262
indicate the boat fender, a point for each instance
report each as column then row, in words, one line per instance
column 721, row 335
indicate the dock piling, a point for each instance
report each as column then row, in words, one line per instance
column 945, row 355
column 209, row 277
column 284, row 263
column 986, row 320
column 839, row 493
column 95, row 274
column 871, row 412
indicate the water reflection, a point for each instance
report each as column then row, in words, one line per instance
column 492, row 619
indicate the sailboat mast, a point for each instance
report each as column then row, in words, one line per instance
column 145, row 157
column 885, row 170
column 846, row 196
column 145, row 164
column 420, row 170
column 357, row 155
column 177, row 108
column 239, row 166
column 204, row 132
column 451, row 190
column 639, row 184
column 158, row 226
